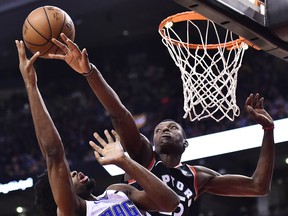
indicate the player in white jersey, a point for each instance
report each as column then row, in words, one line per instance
column 170, row 142
column 112, row 202
column 72, row 191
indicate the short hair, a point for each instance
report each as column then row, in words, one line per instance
column 44, row 199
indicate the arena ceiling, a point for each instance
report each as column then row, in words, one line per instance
column 100, row 23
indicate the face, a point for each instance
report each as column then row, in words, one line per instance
column 83, row 184
column 169, row 138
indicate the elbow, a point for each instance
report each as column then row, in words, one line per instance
column 53, row 151
column 262, row 190
column 174, row 205
column 171, row 204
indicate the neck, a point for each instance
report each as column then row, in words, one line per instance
column 91, row 197
column 170, row 160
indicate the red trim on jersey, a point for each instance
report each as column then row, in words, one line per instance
column 195, row 177
column 195, row 180
column 180, row 164
column 151, row 165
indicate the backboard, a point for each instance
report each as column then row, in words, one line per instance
column 264, row 24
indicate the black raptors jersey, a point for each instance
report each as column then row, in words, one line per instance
column 182, row 179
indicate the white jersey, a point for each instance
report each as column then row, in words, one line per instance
column 110, row 203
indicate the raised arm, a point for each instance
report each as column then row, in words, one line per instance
column 156, row 195
column 48, row 138
column 122, row 119
column 259, row 183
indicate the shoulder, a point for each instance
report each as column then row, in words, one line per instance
column 206, row 171
column 204, row 176
column 80, row 211
column 125, row 188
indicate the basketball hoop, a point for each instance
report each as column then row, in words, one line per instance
column 209, row 59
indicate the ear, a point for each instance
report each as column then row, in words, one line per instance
column 186, row 144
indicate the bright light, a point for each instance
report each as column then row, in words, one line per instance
column 16, row 185
column 224, row 142
column 232, row 141
column 286, row 161
column 19, row 209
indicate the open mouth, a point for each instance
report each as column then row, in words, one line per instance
column 83, row 178
column 165, row 135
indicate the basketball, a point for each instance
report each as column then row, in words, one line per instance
column 43, row 24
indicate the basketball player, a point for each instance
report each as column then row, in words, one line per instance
column 189, row 182
column 72, row 190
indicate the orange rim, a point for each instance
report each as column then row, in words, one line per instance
column 192, row 15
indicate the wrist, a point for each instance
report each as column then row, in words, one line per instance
column 90, row 71
column 122, row 161
column 268, row 128
column 30, row 86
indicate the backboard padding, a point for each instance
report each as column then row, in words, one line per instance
column 277, row 19
column 241, row 19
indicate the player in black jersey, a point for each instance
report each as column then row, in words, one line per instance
column 189, row 182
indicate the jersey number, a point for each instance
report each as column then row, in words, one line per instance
column 126, row 208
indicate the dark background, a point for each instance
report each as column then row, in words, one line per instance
column 139, row 68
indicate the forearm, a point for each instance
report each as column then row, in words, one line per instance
column 52, row 149
column 106, row 95
column 264, row 170
column 155, row 189
column 46, row 133
column 122, row 119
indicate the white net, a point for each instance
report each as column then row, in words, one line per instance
column 209, row 75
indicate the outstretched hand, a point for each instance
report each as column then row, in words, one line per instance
column 111, row 152
column 73, row 56
column 254, row 107
column 26, row 65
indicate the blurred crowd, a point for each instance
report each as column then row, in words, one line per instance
column 147, row 84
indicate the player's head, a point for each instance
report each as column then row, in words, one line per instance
column 44, row 199
column 169, row 138
column 83, row 184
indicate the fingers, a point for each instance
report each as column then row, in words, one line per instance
column 84, row 56
column 21, row 49
column 70, row 44
column 95, row 146
column 108, row 136
column 116, row 135
column 57, row 56
column 102, row 142
column 98, row 157
column 64, row 37
column 22, row 53
column 258, row 103
column 34, row 57
column 248, row 101
column 61, row 45
column 65, row 46
column 261, row 102
column 99, row 139
column 255, row 101
column 68, row 47
column 97, row 151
